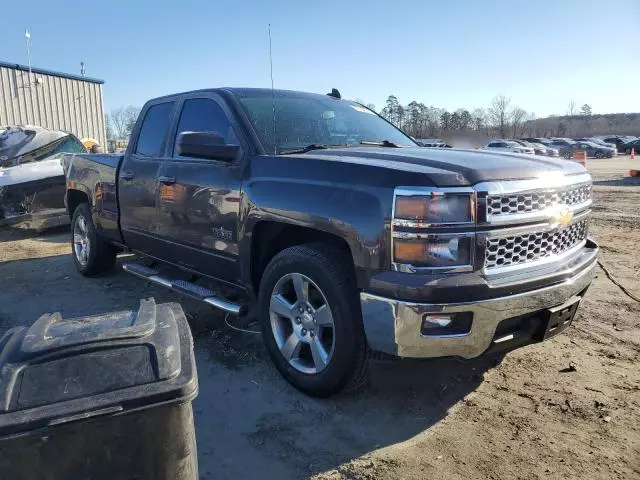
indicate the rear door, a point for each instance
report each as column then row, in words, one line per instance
column 138, row 179
column 199, row 198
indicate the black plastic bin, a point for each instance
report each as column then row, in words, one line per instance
column 102, row 397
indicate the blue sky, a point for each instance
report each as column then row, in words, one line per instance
column 447, row 54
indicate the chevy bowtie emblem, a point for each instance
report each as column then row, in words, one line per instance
column 562, row 218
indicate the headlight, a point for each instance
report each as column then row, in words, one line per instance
column 436, row 208
column 419, row 210
column 436, row 251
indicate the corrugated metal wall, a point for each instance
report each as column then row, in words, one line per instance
column 52, row 101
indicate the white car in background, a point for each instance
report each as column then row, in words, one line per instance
column 508, row 146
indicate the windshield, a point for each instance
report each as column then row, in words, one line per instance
column 513, row 144
column 307, row 119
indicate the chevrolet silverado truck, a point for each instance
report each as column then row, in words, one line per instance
column 336, row 230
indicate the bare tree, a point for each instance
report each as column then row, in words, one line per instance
column 108, row 127
column 131, row 115
column 479, row 118
column 118, row 122
column 123, row 120
column 572, row 108
column 499, row 113
column 517, row 121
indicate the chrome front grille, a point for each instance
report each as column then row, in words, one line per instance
column 538, row 201
column 521, row 249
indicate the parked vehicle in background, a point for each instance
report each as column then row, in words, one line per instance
column 508, row 146
column 598, row 141
column 340, row 233
column 551, row 152
column 538, row 148
column 619, row 142
column 635, row 144
column 32, row 182
column 432, row 143
column 594, row 150
column 542, row 140
column 565, row 146
column 545, row 142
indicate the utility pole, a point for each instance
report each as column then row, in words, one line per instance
column 27, row 37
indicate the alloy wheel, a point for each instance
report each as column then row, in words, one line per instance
column 81, row 243
column 302, row 323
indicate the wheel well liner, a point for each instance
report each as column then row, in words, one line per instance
column 75, row 198
column 270, row 238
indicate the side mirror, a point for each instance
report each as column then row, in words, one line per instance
column 206, row 145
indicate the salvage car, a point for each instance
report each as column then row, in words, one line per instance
column 336, row 230
column 32, row 182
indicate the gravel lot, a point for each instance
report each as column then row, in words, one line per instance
column 527, row 415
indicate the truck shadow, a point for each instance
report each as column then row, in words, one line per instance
column 283, row 433
column 619, row 182
column 250, row 423
column 52, row 235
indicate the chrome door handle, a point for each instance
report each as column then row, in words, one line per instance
column 167, row 180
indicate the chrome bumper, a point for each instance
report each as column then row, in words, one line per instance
column 394, row 326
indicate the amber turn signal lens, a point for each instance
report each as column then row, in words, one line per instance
column 409, row 252
column 411, row 207
column 435, row 209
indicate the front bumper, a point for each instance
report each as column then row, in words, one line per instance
column 394, row 326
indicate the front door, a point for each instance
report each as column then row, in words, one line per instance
column 199, row 198
column 137, row 180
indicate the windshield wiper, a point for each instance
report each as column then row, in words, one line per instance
column 380, row 143
column 313, row 146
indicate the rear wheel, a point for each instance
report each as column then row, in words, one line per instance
column 599, row 155
column 311, row 320
column 91, row 254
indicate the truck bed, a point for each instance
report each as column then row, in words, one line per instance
column 96, row 176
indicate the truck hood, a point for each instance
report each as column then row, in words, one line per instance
column 452, row 167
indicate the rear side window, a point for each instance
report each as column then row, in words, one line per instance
column 204, row 115
column 70, row 145
column 154, row 130
column 494, row 144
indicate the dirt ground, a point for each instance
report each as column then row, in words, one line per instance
column 568, row 408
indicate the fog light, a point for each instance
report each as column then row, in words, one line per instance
column 446, row 324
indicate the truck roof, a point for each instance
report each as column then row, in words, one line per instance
column 244, row 92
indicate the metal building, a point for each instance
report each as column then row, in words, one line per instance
column 52, row 100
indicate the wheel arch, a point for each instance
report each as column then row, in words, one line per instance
column 270, row 238
column 73, row 199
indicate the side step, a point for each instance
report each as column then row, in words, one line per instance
column 187, row 288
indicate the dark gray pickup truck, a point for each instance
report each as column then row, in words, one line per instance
column 336, row 230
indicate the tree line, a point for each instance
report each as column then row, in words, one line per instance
column 500, row 119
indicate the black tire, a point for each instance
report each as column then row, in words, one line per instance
column 327, row 267
column 599, row 155
column 101, row 256
column 567, row 155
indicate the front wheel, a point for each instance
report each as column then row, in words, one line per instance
column 91, row 254
column 311, row 320
column 567, row 155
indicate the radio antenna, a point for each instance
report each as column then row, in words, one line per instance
column 273, row 95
